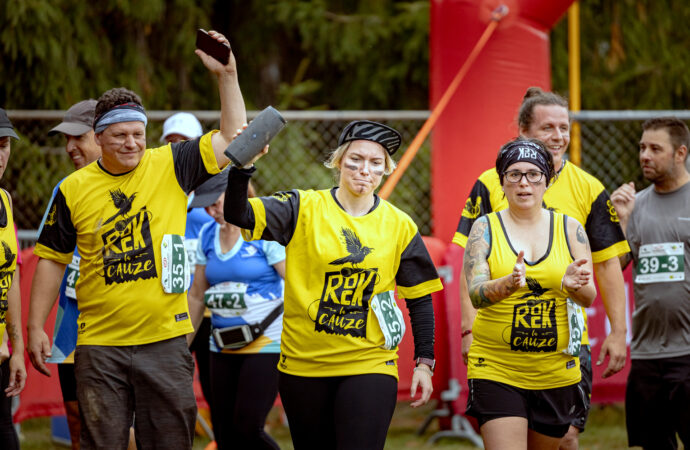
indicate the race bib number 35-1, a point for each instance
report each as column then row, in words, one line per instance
column 175, row 274
column 661, row 263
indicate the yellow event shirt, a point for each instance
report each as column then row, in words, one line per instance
column 520, row 340
column 118, row 223
column 8, row 257
column 574, row 193
column 335, row 263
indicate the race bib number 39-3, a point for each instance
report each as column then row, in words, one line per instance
column 661, row 263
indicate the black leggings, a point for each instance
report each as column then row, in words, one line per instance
column 8, row 435
column 350, row 412
column 243, row 390
column 200, row 349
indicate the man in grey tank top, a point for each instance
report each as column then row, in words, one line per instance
column 656, row 221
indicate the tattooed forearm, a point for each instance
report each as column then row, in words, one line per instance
column 12, row 332
column 487, row 292
column 482, row 289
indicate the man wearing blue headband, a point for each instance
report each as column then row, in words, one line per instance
column 126, row 215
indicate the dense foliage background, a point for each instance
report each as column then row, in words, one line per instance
column 292, row 54
column 330, row 54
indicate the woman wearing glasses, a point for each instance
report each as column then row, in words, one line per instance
column 528, row 270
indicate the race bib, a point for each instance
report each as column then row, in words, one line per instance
column 576, row 325
column 175, row 274
column 661, row 263
column 72, row 277
column 389, row 317
column 227, row 299
column 190, row 246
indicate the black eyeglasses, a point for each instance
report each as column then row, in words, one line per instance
column 533, row 176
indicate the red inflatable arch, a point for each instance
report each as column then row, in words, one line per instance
column 481, row 115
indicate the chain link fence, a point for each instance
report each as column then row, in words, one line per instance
column 38, row 162
column 610, row 144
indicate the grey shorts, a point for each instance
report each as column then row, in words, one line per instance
column 152, row 382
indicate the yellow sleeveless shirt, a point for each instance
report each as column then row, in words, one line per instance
column 8, row 259
column 520, row 341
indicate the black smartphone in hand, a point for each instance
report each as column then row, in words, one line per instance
column 210, row 46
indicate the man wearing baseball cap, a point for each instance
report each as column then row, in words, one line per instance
column 77, row 127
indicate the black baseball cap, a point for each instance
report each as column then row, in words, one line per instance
column 208, row 193
column 367, row 130
column 78, row 119
column 6, row 128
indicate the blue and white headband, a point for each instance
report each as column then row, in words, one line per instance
column 127, row 112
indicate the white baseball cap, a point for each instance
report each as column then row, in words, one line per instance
column 183, row 123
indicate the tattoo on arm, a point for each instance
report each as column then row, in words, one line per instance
column 582, row 237
column 475, row 262
column 12, row 332
column 482, row 289
column 625, row 260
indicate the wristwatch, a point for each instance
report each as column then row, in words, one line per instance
column 429, row 362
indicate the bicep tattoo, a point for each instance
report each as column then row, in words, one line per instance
column 582, row 237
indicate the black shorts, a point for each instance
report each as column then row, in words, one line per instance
column 548, row 411
column 68, row 382
column 585, row 385
column 656, row 402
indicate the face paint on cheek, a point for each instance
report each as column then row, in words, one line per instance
column 377, row 172
column 350, row 166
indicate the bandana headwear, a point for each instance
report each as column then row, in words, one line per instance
column 366, row 130
column 127, row 112
column 522, row 151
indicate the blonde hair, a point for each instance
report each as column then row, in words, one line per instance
column 333, row 161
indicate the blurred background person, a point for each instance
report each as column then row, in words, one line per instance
column 241, row 283
column 12, row 370
column 183, row 126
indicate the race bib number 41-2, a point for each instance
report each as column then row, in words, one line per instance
column 661, row 263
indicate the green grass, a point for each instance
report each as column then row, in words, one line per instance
column 605, row 430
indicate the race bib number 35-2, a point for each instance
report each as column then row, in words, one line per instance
column 661, row 263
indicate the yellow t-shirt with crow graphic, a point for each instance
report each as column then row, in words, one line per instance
column 8, row 257
column 118, row 223
column 520, row 340
column 574, row 193
column 335, row 263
